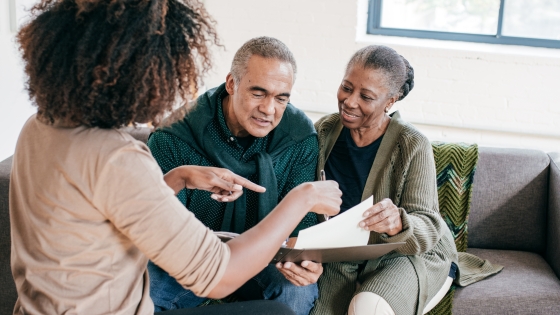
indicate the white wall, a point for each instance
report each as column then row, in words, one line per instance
column 489, row 94
column 15, row 106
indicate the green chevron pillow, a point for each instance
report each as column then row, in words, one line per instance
column 455, row 167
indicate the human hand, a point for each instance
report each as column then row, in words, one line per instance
column 304, row 274
column 223, row 183
column 383, row 217
column 323, row 197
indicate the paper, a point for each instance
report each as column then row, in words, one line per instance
column 340, row 231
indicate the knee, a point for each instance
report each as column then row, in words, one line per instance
column 369, row 303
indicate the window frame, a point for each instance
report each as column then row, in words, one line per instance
column 374, row 28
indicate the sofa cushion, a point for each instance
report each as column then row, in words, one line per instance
column 526, row 285
column 553, row 247
column 8, row 291
column 509, row 207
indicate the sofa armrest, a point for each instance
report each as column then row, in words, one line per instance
column 553, row 229
column 8, row 294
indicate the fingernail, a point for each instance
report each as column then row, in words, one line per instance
column 304, row 264
column 287, row 265
column 237, row 187
column 366, row 214
column 214, row 197
column 362, row 224
column 225, row 199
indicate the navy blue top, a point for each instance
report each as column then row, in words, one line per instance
column 349, row 166
column 453, row 271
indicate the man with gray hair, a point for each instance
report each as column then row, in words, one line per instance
column 248, row 126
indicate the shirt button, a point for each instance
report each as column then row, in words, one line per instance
column 231, row 139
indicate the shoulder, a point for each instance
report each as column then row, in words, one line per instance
column 161, row 138
column 409, row 135
column 120, row 140
column 308, row 147
column 327, row 122
column 89, row 142
column 325, row 126
column 169, row 150
column 301, row 130
column 296, row 116
column 413, row 135
column 296, row 124
column 108, row 149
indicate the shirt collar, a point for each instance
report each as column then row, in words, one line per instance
column 222, row 119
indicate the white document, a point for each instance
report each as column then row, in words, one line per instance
column 340, row 231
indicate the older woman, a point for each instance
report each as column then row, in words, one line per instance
column 88, row 203
column 371, row 152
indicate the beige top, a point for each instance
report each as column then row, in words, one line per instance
column 88, row 207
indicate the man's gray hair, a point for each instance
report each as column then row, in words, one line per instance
column 267, row 47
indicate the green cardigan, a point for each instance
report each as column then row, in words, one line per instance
column 403, row 171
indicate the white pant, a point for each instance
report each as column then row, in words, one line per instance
column 368, row 303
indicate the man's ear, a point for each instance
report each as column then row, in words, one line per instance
column 230, row 84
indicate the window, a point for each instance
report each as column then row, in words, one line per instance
column 509, row 22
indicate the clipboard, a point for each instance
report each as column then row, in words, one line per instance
column 326, row 255
column 335, row 254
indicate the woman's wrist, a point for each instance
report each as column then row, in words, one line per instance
column 305, row 195
column 176, row 179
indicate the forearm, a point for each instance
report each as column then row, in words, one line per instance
column 422, row 231
column 254, row 249
column 174, row 180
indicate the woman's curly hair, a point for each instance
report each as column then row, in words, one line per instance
column 109, row 63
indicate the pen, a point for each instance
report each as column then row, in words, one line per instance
column 324, row 177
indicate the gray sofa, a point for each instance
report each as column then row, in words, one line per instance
column 514, row 221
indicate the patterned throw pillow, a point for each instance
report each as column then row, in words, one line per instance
column 455, row 167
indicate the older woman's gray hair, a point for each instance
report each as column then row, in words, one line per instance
column 399, row 75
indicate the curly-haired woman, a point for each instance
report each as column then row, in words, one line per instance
column 88, row 203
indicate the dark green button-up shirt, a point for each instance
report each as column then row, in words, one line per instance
column 296, row 165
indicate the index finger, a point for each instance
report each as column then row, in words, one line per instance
column 248, row 184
